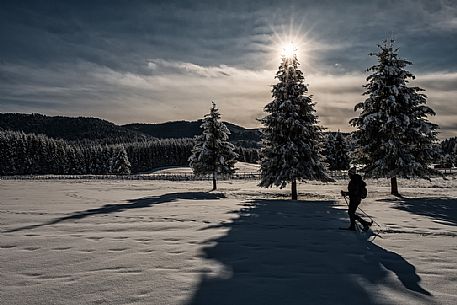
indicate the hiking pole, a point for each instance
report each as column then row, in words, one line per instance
column 376, row 234
column 371, row 218
column 346, row 200
column 373, row 221
column 356, row 224
column 364, row 213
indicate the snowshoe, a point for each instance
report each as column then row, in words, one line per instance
column 367, row 226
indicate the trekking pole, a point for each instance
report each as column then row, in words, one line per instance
column 356, row 224
column 346, row 201
column 371, row 218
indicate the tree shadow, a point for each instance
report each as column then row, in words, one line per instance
column 137, row 203
column 291, row 252
column 440, row 208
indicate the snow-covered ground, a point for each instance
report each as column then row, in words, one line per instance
column 240, row 167
column 162, row 242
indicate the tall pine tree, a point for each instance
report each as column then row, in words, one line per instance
column 291, row 138
column 394, row 137
column 213, row 153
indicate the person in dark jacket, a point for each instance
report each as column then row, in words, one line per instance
column 354, row 192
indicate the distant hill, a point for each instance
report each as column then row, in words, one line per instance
column 95, row 129
column 186, row 129
column 239, row 133
column 68, row 128
column 175, row 129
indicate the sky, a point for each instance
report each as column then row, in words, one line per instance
column 157, row 61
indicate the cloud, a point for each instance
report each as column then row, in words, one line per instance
column 158, row 64
column 180, row 90
column 153, row 61
column 123, row 35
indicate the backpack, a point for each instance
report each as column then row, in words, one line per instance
column 363, row 190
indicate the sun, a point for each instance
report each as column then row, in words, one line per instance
column 289, row 41
column 289, row 50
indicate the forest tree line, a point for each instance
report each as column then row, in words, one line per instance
column 32, row 154
column 448, row 153
column 35, row 154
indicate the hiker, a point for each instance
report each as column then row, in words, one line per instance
column 356, row 192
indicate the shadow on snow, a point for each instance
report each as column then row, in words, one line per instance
column 138, row 203
column 441, row 209
column 291, row 252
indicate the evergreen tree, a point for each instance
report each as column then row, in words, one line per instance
column 394, row 137
column 337, row 152
column 455, row 155
column 448, row 146
column 291, row 138
column 212, row 152
column 120, row 161
column 341, row 152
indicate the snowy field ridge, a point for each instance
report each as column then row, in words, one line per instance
column 161, row 242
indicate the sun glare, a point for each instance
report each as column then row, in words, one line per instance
column 289, row 50
column 289, row 41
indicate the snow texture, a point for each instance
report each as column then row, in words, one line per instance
column 239, row 167
column 161, row 242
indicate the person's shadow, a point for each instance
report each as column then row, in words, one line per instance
column 291, row 252
column 137, row 203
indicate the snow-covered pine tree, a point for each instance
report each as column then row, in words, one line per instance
column 448, row 147
column 120, row 164
column 447, row 161
column 212, row 152
column 329, row 141
column 394, row 137
column 291, row 138
column 337, row 152
column 455, row 155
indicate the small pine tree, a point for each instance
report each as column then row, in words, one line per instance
column 120, row 164
column 394, row 137
column 212, row 152
column 291, row 138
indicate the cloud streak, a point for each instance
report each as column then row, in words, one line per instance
column 158, row 64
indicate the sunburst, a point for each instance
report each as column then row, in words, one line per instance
column 290, row 40
column 289, row 50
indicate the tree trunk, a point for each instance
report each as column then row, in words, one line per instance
column 394, row 187
column 214, row 181
column 294, row 190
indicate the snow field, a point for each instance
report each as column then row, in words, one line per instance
column 162, row 242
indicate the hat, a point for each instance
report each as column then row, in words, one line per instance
column 352, row 170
